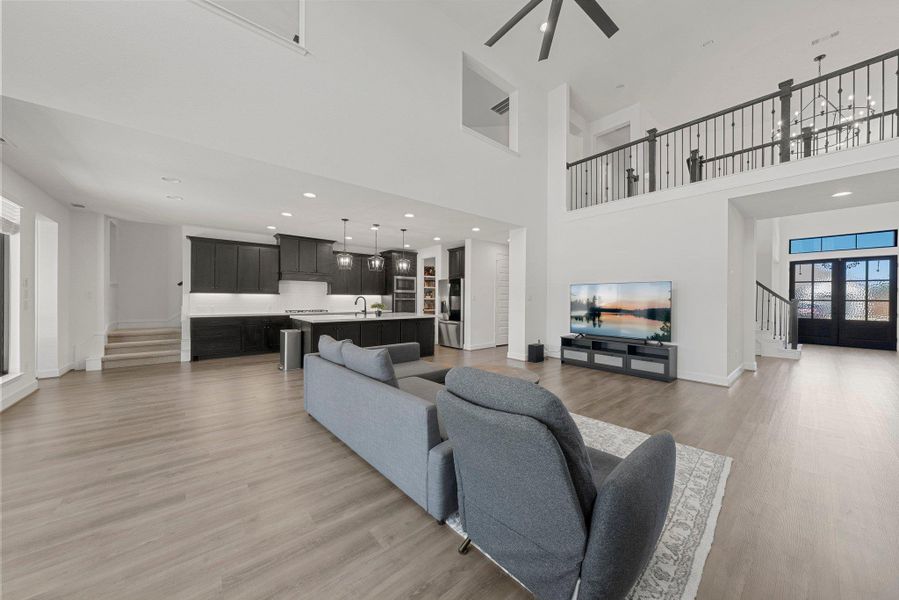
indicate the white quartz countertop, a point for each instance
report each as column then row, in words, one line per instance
column 371, row 317
column 241, row 314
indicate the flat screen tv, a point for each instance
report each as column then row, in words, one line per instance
column 640, row 310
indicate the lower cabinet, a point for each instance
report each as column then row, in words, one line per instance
column 219, row 337
column 372, row 333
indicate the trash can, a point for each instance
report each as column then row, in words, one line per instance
column 535, row 352
column 291, row 349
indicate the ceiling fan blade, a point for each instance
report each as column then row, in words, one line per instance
column 599, row 16
column 513, row 21
column 554, row 10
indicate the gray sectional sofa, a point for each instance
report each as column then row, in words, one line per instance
column 385, row 410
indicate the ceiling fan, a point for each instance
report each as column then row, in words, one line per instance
column 591, row 7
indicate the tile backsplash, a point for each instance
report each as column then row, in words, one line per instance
column 293, row 295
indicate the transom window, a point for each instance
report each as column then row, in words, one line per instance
column 867, row 290
column 846, row 241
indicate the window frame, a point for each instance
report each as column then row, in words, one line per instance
column 821, row 241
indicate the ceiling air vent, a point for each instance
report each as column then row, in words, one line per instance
column 501, row 107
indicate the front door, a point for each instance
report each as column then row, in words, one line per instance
column 846, row 302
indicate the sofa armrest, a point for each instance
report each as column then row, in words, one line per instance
column 401, row 353
column 442, row 497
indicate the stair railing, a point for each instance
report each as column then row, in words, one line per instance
column 776, row 315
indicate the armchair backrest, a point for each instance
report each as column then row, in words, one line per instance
column 517, row 497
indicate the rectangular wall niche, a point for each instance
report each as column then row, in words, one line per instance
column 489, row 105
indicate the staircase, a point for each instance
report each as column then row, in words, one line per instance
column 776, row 325
column 139, row 347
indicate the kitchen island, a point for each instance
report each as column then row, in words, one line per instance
column 389, row 328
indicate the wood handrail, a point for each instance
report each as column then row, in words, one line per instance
column 770, row 291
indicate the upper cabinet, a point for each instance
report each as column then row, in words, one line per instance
column 456, row 268
column 305, row 259
column 359, row 280
column 228, row 267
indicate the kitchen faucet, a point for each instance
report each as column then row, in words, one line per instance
column 364, row 305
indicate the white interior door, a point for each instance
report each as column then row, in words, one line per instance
column 501, row 319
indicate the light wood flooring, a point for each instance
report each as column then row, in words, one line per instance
column 208, row 480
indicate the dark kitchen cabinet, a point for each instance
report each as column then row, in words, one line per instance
column 358, row 280
column 268, row 269
column 229, row 267
column 456, row 265
column 371, row 332
column 372, row 281
column 305, row 259
column 225, row 267
column 247, row 269
column 390, row 332
column 219, row 337
column 202, row 265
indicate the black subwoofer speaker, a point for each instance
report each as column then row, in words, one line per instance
column 535, row 352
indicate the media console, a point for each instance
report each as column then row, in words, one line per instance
column 621, row 356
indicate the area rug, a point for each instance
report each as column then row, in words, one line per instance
column 674, row 571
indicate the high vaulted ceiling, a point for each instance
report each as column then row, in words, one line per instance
column 682, row 59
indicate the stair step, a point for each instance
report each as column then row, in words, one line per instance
column 142, row 346
column 137, row 335
column 135, row 359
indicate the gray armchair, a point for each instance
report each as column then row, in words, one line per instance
column 547, row 508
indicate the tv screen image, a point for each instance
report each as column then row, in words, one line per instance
column 626, row 310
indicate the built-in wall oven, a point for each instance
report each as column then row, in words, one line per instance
column 404, row 295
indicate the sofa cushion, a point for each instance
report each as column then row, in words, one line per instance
column 330, row 349
column 426, row 390
column 421, row 368
column 371, row 363
column 402, row 352
column 516, row 396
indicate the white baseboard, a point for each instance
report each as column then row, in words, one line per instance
column 51, row 373
column 750, row 366
column 734, row 375
column 478, row 346
column 517, row 356
column 703, row 378
column 149, row 324
column 93, row 364
column 21, row 391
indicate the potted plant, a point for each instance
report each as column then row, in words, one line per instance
column 378, row 306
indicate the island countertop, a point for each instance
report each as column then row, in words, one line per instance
column 335, row 318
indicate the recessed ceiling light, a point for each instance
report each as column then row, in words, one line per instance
column 543, row 27
column 286, row 214
column 171, row 180
column 171, row 197
column 270, row 227
column 436, row 239
column 349, row 237
column 407, row 245
column 309, row 195
column 374, row 227
column 475, row 228
column 409, row 215
column 508, row 240
column 76, row 205
column 841, row 194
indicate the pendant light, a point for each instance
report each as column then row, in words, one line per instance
column 344, row 259
column 403, row 265
column 376, row 261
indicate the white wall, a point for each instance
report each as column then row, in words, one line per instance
column 146, row 269
column 33, row 202
column 46, row 291
column 89, row 290
column 480, row 293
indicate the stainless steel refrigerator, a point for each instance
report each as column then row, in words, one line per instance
column 451, row 322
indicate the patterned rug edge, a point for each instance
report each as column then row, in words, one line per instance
column 708, row 536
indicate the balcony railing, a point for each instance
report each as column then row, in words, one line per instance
column 849, row 107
